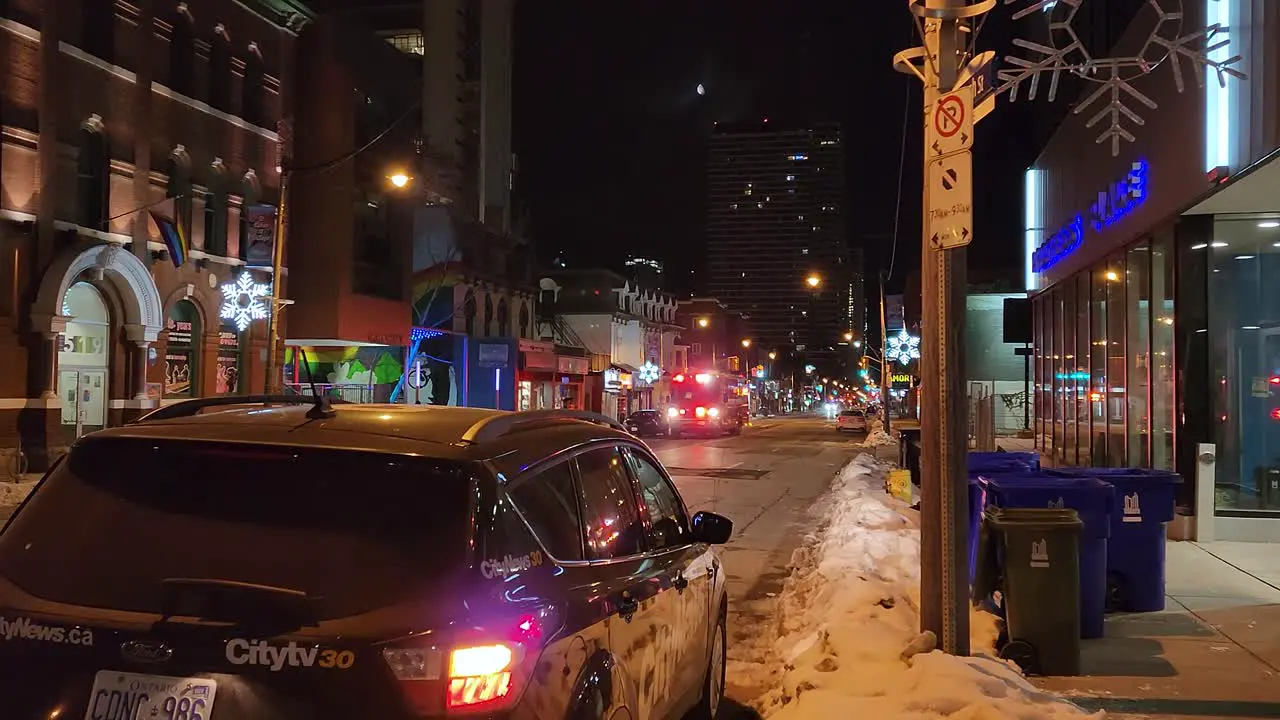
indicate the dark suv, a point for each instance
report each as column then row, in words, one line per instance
column 220, row 561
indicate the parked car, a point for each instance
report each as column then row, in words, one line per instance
column 382, row 562
column 852, row 421
column 646, row 423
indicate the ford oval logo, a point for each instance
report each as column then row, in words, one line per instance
column 145, row 652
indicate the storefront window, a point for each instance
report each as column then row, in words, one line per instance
column 181, row 357
column 1044, row 414
column 1117, row 360
column 1138, row 290
column 228, row 376
column 1067, row 400
column 1083, row 382
column 1163, row 415
column 1244, row 330
column 1055, row 356
column 1098, row 363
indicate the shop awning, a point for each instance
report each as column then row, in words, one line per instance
column 1253, row 190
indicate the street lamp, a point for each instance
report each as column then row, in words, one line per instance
column 703, row 322
column 399, row 179
column 773, row 355
column 746, row 343
column 848, row 337
column 813, row 281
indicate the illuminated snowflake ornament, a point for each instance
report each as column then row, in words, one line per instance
column 649, row 373
column 903, row 348
column 245, row 301
column 1208, row 49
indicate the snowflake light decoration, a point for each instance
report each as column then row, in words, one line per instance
column 245, row 301
column 903, row 347
column 649, row 373
column 1205, row 49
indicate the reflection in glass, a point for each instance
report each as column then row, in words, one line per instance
column 613, row 527
column 1138, row 282
column 1244, row 330
column 1098, row 354
column 1083, row 434
column 1163, row 418
column 1055, row 355
column 1067, row 454
column 1113, row 276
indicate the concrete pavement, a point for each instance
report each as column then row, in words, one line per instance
column 765, row 480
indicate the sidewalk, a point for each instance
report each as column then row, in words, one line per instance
column 1213, row 653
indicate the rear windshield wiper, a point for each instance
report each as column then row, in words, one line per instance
column 262, row 608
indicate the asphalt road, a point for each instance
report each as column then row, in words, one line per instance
column 765, row 480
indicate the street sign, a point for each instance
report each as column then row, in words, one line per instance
column 950, row 194
column 950, row 129
column 980, row 72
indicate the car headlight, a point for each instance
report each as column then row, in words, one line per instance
column 672, row 412
column 714, row 412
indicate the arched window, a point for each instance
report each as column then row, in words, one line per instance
column 251, row 195
column 488, row 315
column 92, row 175
column 215, row 212
column 504, row 319
column 182, row 355
column 524, row 320
column 182, row 52
column 97, row 28
column 252, row 100
column 469, row 312
column 220, row 70
column 179, row 188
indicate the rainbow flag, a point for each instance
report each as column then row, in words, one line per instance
column 174, row 238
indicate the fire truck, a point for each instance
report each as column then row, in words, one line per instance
column 708, row 402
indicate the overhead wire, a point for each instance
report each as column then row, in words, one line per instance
column 902, row 164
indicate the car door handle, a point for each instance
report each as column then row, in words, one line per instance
column 680, row 582
column 627, row 607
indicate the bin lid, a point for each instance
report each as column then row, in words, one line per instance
column 1037, row 517
column 1091, row 497
column 1140, row 474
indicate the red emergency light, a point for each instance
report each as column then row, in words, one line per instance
column 1274, row 380
column 679, row 377
column 1275, row 414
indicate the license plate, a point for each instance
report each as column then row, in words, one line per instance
column 130, row 696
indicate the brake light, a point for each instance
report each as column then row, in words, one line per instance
column 679, row 377
column 700, row 411
column 479, row 675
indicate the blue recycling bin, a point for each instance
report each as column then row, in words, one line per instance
column 1144, row 505
column 983, row 462
column 1092, row 499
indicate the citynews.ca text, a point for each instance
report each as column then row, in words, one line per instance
column 24, row 628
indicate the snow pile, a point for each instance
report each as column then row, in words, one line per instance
column 878, row 438
column 848, row 627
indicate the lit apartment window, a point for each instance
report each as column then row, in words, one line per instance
column 410, row 43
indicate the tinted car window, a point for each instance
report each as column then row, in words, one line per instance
column 852, row 413
column 549, row 504
column 609, row 512
column 357, row 530
column 668, row 522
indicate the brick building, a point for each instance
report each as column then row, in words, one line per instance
column 96, row 323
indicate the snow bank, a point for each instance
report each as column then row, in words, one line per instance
column 877, row 438
column 847, row 635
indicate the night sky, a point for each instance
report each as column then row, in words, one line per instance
column 611, row 133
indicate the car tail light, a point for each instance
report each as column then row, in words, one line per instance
column 700, row 411
column 484, row 670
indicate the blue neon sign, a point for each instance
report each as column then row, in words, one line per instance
column 1113, row 204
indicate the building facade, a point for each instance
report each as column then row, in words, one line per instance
column 116, row 110
column 775, row 201
column 1157, row 320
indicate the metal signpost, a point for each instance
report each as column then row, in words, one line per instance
column 960, row 88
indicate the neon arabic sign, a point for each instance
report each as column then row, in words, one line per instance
column 1113, row 204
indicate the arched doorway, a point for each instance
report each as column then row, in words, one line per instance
column 84, row 358
column 182, row 351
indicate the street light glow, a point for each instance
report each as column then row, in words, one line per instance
column 703, row 322
column 746, row 343
column 848, row 337
column 773, row 356
column 398, row 179
column 813, row 280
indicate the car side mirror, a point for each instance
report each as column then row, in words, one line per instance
column 711, row 528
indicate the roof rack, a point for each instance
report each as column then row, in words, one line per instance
column 188, row 408
column 496, row 426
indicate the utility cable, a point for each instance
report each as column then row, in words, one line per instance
column 902, row 163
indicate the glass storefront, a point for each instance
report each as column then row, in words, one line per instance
column 181, row 357
column 1244, row 361
column 1174, row 339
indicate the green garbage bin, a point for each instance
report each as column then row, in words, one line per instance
column 1036, row 556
